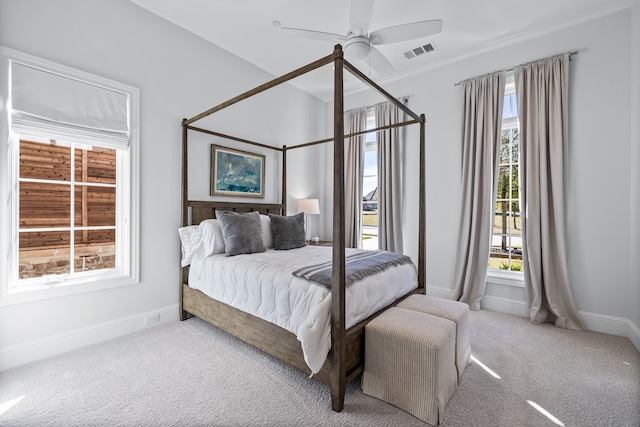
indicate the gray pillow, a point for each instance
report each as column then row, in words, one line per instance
column 242, row 233
column 287, row 231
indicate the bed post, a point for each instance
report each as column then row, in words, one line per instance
column 185, row 176
column 184, row 220
column 337, row 354
column 284, row 180
column 422, row 218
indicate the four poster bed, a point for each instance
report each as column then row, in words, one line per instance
column 344, row 331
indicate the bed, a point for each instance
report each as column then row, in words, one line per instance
column 345, row 332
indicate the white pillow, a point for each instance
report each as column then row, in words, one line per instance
column 267, row 238
column 212, row 240
column 191, row 240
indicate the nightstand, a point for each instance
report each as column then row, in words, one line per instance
column 320, row 243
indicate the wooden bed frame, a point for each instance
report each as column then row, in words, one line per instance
column 346, row 357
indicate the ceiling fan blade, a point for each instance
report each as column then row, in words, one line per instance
column 378, row 62
column 360, row 16
column 313, row 35
column 400, row 33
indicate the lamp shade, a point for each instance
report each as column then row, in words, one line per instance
column 309, row 206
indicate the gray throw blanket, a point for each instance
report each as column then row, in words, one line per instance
column 358, row 266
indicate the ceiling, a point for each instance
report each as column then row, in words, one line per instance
column 246, row 29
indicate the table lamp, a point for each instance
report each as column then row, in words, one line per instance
column 308, row 207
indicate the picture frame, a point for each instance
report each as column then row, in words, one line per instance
column 236, row 172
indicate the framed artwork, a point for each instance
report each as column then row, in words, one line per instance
column 236, row 172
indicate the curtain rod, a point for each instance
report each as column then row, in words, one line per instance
column 575, row 52
column 404, row 100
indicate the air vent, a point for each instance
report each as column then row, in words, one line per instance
column 421, row 50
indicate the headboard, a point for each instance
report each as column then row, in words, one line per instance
column 201, row 210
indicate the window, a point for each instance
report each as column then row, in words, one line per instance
column 370, row 187
column 66, row 208
column 506, row 242
column 73, row 209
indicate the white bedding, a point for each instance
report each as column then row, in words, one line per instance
column 262, row 284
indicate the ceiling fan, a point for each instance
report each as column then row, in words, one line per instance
column 358, row 43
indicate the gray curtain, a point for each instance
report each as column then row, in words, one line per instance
column 542, row 90
column 481, row 129
column 354, row 121
column 389, row 178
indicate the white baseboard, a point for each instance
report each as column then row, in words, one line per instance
column 605, row 324
column 54, row 345
column 438, row 292
column 492, row 303
column 634, row 334
column 611, row 325
column 592, row 321
column 505, row 305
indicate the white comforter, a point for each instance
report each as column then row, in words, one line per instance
column 262, row 284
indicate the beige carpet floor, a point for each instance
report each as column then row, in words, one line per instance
column 191, row 374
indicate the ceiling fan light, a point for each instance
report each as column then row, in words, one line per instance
column 357, row 49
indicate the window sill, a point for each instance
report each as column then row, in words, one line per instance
column 43, row 289
column 506, row 278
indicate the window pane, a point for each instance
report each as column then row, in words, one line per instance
column 516, row 231
column 510, row 107
column 502, row 217
column 506, row 107
column 371, row 136
column 44, row 205
column 44, row 161
column 504, row 147
column 498, row 224
column 369, row 188
column 94, row 250
column 43, row 239
column 43, row 253
column 370, row 163
column 515, row 194
column 95, row 206
column 515, row 146
column 97, row 165
column 504, row 179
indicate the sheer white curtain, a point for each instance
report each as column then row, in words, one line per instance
column 354, row 121
column 481, row 129
column 389, row 178
column 542, row 91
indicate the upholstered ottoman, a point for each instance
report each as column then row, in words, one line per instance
column 455, row 311
column 410, row 362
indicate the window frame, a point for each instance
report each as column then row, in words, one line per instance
column 127, row 200
column 494, row 275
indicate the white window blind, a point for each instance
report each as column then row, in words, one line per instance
column 53, row 106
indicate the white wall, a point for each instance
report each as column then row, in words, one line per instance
column 179, row 75
column 634, row 235
column 598, row 180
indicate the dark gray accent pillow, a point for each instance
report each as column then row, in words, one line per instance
column 241, row 232
column 288, row 231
